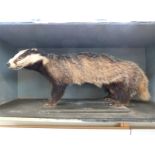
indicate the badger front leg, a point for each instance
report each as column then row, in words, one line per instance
column 56, row 94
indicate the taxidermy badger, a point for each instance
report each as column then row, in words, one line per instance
column 123, row 79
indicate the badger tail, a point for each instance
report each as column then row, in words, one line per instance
column 143, row 91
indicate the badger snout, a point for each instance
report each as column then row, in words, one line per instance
column 8, row 64
column 11, row 64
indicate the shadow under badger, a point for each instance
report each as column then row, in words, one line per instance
column 123, row 79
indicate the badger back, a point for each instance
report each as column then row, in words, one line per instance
column 86, row 68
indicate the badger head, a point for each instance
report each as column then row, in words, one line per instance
column 25, row 58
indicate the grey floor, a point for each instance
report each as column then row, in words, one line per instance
column 77, row 109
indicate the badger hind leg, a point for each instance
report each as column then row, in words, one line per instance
column 56, row 94
column 119, row 94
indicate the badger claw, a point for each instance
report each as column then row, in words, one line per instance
column 111, row 102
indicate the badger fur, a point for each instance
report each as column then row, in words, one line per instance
column 123, row 79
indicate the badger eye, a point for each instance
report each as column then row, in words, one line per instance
column 20, row 58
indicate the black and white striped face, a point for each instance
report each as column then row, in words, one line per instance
column 25, row 58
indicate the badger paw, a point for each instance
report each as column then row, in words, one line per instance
column 108, row 101
column 49, row 105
